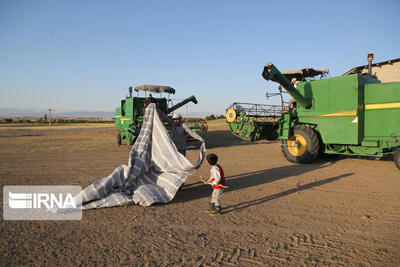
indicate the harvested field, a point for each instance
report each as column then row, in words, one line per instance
column 335, row 212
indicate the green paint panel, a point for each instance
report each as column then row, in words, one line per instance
column 384, row 119
column 382, row 93
column 335, row 130
column 330, row 95
column 382, row 123
column 334, row 99
column 343, row 93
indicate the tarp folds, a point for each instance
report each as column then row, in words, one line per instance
column 154, row 173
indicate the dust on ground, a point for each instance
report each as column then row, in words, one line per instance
column 334, row 212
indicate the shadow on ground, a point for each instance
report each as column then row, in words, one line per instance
column 225, row 138
column 199, row 190
column 262, row 200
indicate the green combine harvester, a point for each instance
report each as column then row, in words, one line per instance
column 129, row 116
column 353, row 115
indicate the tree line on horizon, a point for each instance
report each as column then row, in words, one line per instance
column 45, row 120
column 56, row 120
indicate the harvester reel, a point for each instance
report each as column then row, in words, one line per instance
column 303, row 146
column 231, row 115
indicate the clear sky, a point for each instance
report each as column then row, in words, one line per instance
column 83, row 55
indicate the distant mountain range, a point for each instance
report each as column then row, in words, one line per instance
column 18, row 112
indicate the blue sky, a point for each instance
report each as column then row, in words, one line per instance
column 83, row 55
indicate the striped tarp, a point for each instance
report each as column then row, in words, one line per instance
column 154, row 173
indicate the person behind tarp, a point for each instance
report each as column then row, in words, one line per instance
column 179, row 131
column 149, row 100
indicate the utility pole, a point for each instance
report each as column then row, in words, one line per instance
column 49, row 116
column 187, row 113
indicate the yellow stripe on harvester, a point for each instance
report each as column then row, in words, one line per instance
column 382, row 106
column 341, row 114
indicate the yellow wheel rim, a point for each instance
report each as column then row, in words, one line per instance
column 297, row 145
column 204, row 127
column 231, row 115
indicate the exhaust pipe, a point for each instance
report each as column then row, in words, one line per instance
column 130, row 91
column 370, row 58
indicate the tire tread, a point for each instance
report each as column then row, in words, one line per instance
column 313, row 145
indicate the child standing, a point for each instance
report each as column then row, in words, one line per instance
column 217, row 181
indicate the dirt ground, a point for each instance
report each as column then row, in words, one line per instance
column 335, row 212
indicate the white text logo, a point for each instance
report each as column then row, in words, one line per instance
column 40, row 200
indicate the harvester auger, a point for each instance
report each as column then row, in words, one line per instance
column 349, row 115
column 129, row 116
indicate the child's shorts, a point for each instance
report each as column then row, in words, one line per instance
column 216, row 196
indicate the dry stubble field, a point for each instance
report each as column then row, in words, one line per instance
column 334, row 212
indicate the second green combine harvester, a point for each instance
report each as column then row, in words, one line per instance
column 349, row 115
column 129, row 116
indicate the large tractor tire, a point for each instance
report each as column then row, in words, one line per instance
column 304, row 146
column 396, row 158
column 119, row 140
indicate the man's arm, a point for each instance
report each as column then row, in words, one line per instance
column 164, row 116
column 191, row 133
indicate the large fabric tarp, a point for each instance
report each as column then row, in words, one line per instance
column 154, row 173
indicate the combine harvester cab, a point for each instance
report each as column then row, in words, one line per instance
column 129, row 116
column 349, row 115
